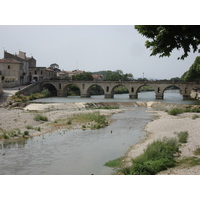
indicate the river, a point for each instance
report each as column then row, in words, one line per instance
column 81, row 152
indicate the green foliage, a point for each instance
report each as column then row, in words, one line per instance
column 26, row 133
column 188, row 162
column 69, row 122
column 39, row 117
column 38, row 129
column 73, row 90
column 182, row 136
column 116, row 163
column 165, row 38
column 120, row 90
column 19, row 97
column 29, row 127
column 86, row 76
column 193, row 74
column 195, row 116
column 157, row 156
column 197, row 152
column 175, row 111
column 99, row 120
column 114, row 75
column 22, row 98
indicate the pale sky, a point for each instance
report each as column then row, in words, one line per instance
column 91, row 48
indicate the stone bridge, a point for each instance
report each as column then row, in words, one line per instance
column 59, row 87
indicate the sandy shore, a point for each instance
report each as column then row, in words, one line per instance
column 166, row 126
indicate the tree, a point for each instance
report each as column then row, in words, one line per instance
column 86, row 76
column 193, row 74
column 165, row 38
column 55, row 67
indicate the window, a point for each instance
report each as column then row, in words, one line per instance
column 8, row 66
column 35, row 72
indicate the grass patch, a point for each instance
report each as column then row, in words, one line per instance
column 197, row 152
column 195, row 116
column 157, row 156
column 175, row 111
column 26, row 133
column 39, row 117
column 99, row 121
column 22, row 98
column 116, row 163
column 182, row 136
column 188, row 162
column 29, row 127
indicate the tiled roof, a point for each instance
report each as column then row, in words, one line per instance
column 8, row 60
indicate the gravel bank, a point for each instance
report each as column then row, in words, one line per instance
column 166, row 126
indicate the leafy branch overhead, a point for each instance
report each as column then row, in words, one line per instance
column 166, row 38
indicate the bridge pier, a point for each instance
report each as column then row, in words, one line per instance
column 186, row 97
column 159, row 96
column 108, row 96
column 133, row 96
column 85, row 95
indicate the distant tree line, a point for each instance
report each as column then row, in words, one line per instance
column 117, row 75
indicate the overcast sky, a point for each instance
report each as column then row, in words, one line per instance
column 91, row 48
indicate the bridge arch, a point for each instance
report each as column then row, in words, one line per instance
column 71, row 88
column 152, row 88
column 51, row 87
column 171, row 86
column 112, row 91
column 99, row 89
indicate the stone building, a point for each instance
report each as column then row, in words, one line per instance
column 15, row 68
column 41, row 73
column 12, row 72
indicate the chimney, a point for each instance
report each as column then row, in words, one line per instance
column 22, row 55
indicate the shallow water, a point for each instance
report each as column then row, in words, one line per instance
column 75, row 152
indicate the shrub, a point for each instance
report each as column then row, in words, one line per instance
column 158, row 156
column 26, row 133
column 69, row 122
column 182, row 136
column 175, row 111
column 29, row 127
column 197, row 151
column 195, row 116
column 38, row 129
column 39, row 117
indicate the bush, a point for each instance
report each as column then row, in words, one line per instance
column 158, row 156
column 39, row 117
column 183, row 136
column 175, row 111
column 26, row 133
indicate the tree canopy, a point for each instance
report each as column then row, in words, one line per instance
column 55, row 67
column 86, row 76
column 193, row 74
column 165, row 38
column 115, row 75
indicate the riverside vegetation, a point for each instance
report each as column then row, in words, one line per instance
column 161, row 154
column 158, row 156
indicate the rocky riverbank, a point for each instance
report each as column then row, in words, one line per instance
column 166, row 126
